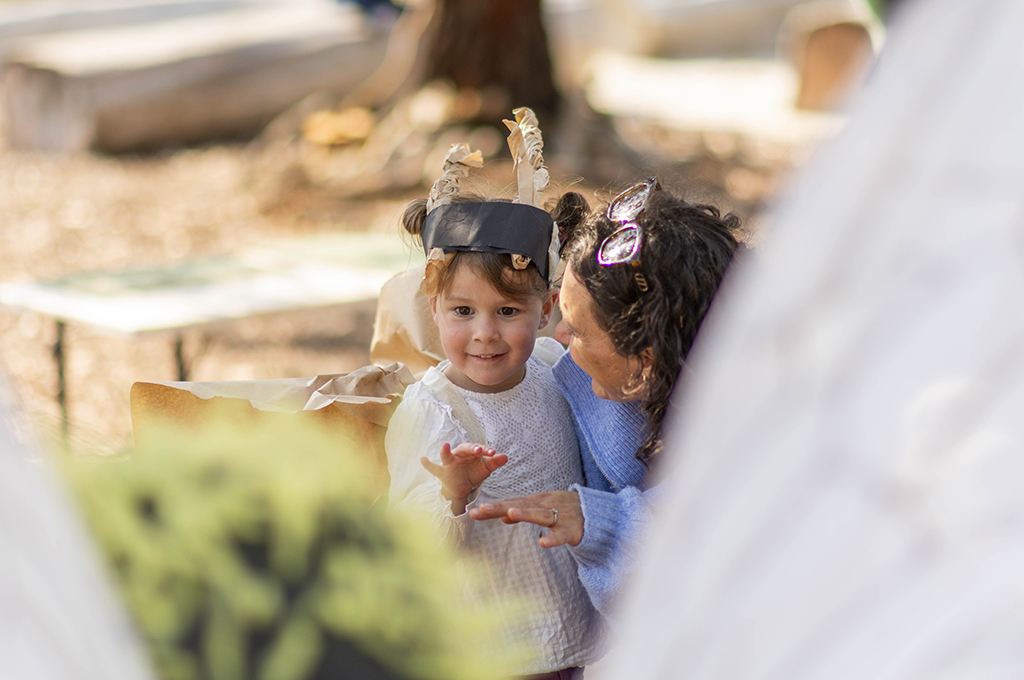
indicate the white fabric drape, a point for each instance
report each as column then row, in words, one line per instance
column 58, row 617
column 848, row 460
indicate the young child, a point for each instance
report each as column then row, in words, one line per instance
column 488, row 280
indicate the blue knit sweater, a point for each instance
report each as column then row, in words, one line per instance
column 615, row 500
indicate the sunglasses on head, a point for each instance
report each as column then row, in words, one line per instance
column 623, row 245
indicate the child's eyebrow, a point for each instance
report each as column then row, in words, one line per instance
column 506, row 302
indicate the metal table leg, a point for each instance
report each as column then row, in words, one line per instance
column 62, row 395
column 179, row 358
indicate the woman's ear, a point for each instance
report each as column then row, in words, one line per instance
column 646, row 363
column 549, row 306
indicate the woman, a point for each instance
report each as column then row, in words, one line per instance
column 639, row 279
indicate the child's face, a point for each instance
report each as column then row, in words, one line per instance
column 487, row 336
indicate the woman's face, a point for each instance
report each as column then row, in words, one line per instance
column 613, row 376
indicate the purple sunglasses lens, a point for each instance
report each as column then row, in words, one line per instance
column 630, row 203
column 620, row 247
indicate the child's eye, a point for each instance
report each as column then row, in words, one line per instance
column 507, row 311
column 462, row 311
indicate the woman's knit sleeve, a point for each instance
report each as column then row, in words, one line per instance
column 614, row 523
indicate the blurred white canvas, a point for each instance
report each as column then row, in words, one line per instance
column 58, row 616
column 847, row 464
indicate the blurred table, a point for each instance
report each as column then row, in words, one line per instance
column 283, row 276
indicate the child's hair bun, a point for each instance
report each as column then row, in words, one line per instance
column 569, row 213
column 414, row 216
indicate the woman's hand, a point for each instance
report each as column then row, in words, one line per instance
column 462, row 469
column 537, row 509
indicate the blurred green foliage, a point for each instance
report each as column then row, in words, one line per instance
column 266, row 554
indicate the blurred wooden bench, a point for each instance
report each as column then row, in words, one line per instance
column 181, row 79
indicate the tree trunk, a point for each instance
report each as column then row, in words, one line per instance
column 498, row 48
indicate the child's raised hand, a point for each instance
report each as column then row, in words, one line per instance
column 462, row 469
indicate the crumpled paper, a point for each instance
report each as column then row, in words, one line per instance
column 404, row 330
column 433, row 271
column 527, row 147
column 457, row 163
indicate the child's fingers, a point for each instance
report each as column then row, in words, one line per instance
column 495, row 461
column 476, row 457
column 470, row 450
column 431, row 467
column 446, row 454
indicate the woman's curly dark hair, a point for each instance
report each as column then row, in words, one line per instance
column 686, row 251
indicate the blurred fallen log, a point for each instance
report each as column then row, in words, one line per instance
column 181, row 81
column 25, row 18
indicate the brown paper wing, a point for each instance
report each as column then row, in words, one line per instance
column 353, row 407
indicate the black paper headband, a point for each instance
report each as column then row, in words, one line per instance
column 508, row 228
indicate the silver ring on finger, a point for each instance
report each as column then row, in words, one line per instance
column 554, row 517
